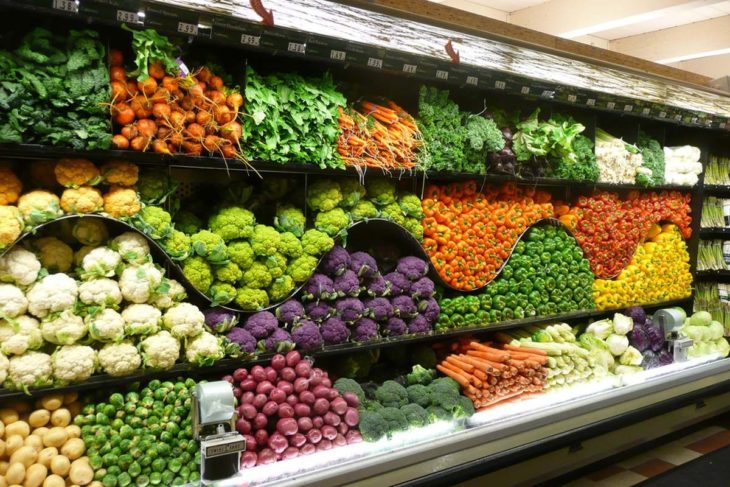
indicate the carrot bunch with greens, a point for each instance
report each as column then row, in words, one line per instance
column 378, row 136
column 469, row 233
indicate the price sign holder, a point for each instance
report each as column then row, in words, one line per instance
column 119, row 11
column 170, row 19
column 230, row 31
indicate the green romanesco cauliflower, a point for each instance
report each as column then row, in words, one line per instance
column 257, row 276
column 411, row 205
column 197, row 270
column 332, row 222
column 276, row 263
column 364, row 210
column 232, row 222
column 221, row 293
column 178, row 245
column 290, row 245
column 381, row 191
column 324, row 195
column 290, row 219
column 414, row 227
column 90, row 231
column 153, row 221
column 241, row 254
column 315, row 242
column 239, row 192
column 252, row 299
column 187, row 222
column 154, row 187
column 275, row 188
column 281, row 288
column 301, row 268
column 352, row 192
column 210, row 246
column 393, row 213
column 228, row 272
column 265, row 240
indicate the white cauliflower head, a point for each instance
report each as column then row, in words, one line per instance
column 7, row 329
column 118, row 359
column 73, row 363
column 29, row 326
column 160, row 351
column 184, row 320
column 53, row 293
column 81, row 253
column 15, row 345
column 100, row 262
column 12, row 301
column 32, row 369
column 4, row 365
column 169, row 293
column 90, row 231
column 141, row 319
column 26, row 335
column 132, row 246
column 66, row 329
column 19, row 267
column 105, row 326
column 204, row 349
column 103, row 292
column 138, row 283
column 55, row 255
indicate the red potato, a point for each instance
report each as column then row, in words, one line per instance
column 248, row 459
column 290, row 452
column 271, row 374
column 286, row 411
column 292, row 400
column 303, row 369
column 307, row 397
column 285, row 386
column 270, row 408
column 321, row 406
column 321, row 391
column 266, row 456
column 351, row 417
column 314, row 436
column 353, row 436
column 325, row 444
column 262, row 437
column 287, row 426
column 240, row 373
column 339, row 440
column 260, row 421
column 277, row 395
column 298, row 440
column 250, row 442
column 237, row 392
column 248, row 384
column 326, row 381
column 264, row 387
column 329, row 432
column 288, row 374
column 318, row 422
column 342, row 428
column 331, row 418
column 305, row 424
column 352, row 399
column 247, row 397
column 243, row 426
column 293, row 358
column 308, row 449
column 315, row 378
column 257, row 372
column 338, row 405
column 278, row 442
column 301, row 384
column 260, row 400
column 278, row 361
column 302, row 410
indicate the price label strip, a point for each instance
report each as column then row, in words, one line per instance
column 70, row 6
column 175, row 20
column 121, row 11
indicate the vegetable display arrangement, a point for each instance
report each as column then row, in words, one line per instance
column 651, row 173
column 156, row 109
column 708, row 335
column 290, row 408
column 469, row 234
column 547, row 274
column 647, row 337
column 718, row 171
column 619, row 162
column 619, row 345
column 658, row 272
column 710, row 255
column 411, row 401
column 628, row 221
column 707, row 298
column 53, row 89
column 142, row 437
column 712, row 214
column 682, row 165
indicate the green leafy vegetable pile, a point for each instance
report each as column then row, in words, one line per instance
column 149, row 46
column 52, row 91
column 651, row 172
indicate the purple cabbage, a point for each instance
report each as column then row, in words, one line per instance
column 335, row 262
column 364, row 330
column 347, row 284
column 378, row 309
column 319, row 311
column 279, row 341
column 395, row 327
column 399, row 284
column 306, row 336
column 665, row 358
column 261, row 324
column 639, row 338
column 656, row 338
column 419, row 324
column 319, row 287
column 244, row 339
column 377, row 287
column 290, row 312
column 363, row 264
column 650, row 361
column 430, row 309
column 637, row 314
column 422, row 288
column 412, row 267
column 404, row 307
column 349, row 309
column 334, row 331
column 220, row 320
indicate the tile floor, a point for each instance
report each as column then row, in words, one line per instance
column 635, row 470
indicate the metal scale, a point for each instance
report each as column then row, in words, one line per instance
column 214, row 420
column 669, row 321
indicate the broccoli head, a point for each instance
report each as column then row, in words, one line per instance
column 424, row 356
column 290, row 219
column 437, row 413
column 464, row 408
column 352, row 192
column 420, row 375
column 443, row 394
column 324, row 195
column 290, row 245
column 232, row 222
column 316, row 243
column 419, row 394
column 265, row 240
column 415, row 415
column 411, row 205
column 381, row 191
column 364, row 211
column 210, row 246
column 344, row 384
column 372, row 426
column 356, row 365
column 395, row 419
column 391, row 394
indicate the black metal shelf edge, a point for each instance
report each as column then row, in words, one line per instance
column 714, row 231
column 716, row 190
column 712, row 275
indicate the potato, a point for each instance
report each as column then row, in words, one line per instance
column 13, row 443
column 2, row 430
column 56, row 436
column 15, row 473
column 61, row 417
column 60, row 465
column 4, row 466
column 52, row 401
column 39, row 417
column 25, row 455
column 75, row 408
column 20, row 405
column 81, row 473
column 2, row 448
column 3, row 482
column 35, row 475
column 46, row 455
column 70, row 397
column 73, row 448
column 73, row 431
column 96, row 483
column 18, row 428
column 40, row 431
column 54, row 481
column 34, row 441
column 8, row 416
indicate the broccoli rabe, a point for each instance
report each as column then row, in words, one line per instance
column 391, row 394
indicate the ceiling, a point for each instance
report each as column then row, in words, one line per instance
column 688, row 34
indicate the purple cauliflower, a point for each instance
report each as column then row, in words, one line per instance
column 279, row 341
column 378, row 309
column 319, row 287
column 412, row 267
column 395, row 327
column 335, row 262
column 422, row 288
column 349, row 309
column 347, row 284
column 261, row 324
column 306, row 336
column 430, row 309
column 319, row 311
column 404, row 307
column 365, row 329
column 419, row 324
column 399, row 284
column 243, row 339
column 219, row 320
column 377, row 286
column 290, row 312
column 334, row 331
column 363, row 264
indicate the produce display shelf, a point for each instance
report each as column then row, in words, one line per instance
column 716, row 190
column 713, row 275
column 715, row 232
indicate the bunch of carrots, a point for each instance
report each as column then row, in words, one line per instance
column 167, row 114
column 378, row 136
column 470, row 233
column 491, row 374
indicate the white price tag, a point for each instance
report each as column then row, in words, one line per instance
column 572, row 98
column 410, row 68
column 185, row 28
column 678, row 117
column 250, row 40
column 645, row 111
column 441, row 74
column 66, row 5
column 590, row 102
column 296, row 47
column 127, row 17
column 472, row 80
column 628, row 108
column 547, row 93
column 500, row 85
column 374, row 62
column 525, row 90
column 337, row 55
column 662, row 114
column 694, row 119
column 610, row 105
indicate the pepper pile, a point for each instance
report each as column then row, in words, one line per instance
column 469, row 234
